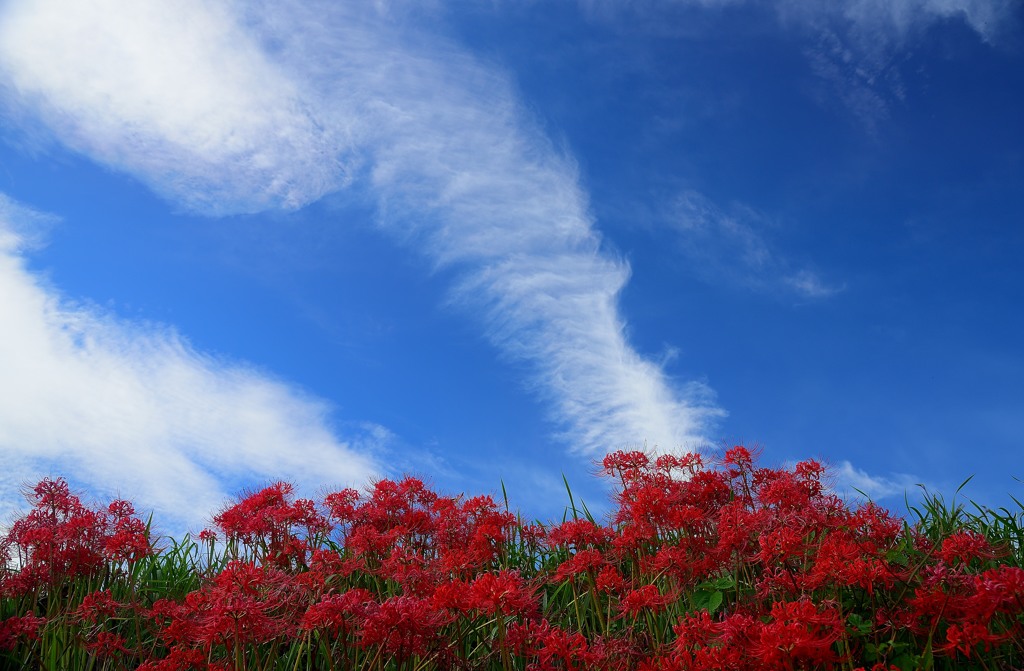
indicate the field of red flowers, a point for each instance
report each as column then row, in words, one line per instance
column 706, row 564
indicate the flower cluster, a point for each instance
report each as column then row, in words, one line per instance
column 62, row 539
column 705, row 564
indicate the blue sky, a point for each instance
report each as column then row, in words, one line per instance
column 489, row 242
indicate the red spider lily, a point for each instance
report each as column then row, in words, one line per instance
column 399, row 504
column 328, row 566
column 13, row 628
column 646, row 597
column 810, row 473
column 453, row 537
column 610, row 580
column 269, row 522
column 372, row 545
column 339, row 613
column 97, row 606
column 552, row 647
column 244, row 604
column 783, row 491
column 687, row 563
column 105, row 644
column 798, row 631
column 965, row 637
column 842, row 559
column 342, row 505
column 128, row 539
column 965, row 546
column 625, row 465
column 404, row 577
column 579, row 534
column 690, row 462
column 696, row 631
column 504, row 593
column 412, row 571
column 794, row 634
column 741, row 458
column 780, row 544
column 453, row 596
column 1001, row 589
column 876, row 526
column 404, row 626
column 60, row 538
column 582, row 563
column 179, row 659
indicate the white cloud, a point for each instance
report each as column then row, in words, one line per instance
column 858, row 46
column 305, row 96
column 873, row 19
column 114, row 404
column 878, row 20
column 727, row 246
column 177, row 94
column 855, row 47
column 853, row 481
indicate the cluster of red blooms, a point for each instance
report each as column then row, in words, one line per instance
column 723, row 567
column 61, row 539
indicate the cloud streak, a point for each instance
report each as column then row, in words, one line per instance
column 895, row 20
column 727, row 246
column 308, row 98
column 180, row 96
column 873, row 20
column 850, row 481
column 111, row 403
column 854, row 47
column 858, row 45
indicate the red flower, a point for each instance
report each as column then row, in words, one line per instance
column 578, row 534
column 964, row 546
column 179, row 659
column 403, row 626
column 696, row 631
column 244, row 604
column 97, row 606
column 61, row 538
column 645, row 597
column 504, row 593
column 624, row 464
column 106, row 644
column 610, row 580
column 130, row 539
column 274, row 526
column 798, row 631
column 584, row 561
column 550, row 645
column 964, row 637
column 28, row 625
column 339, row 613
column 740, row 457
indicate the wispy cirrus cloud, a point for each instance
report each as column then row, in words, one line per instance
column 855, row 48
column 875, row 20
column 308, row 98
column 896, row 20
column 117, row 404
column 728, row 245
column 852, row 481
